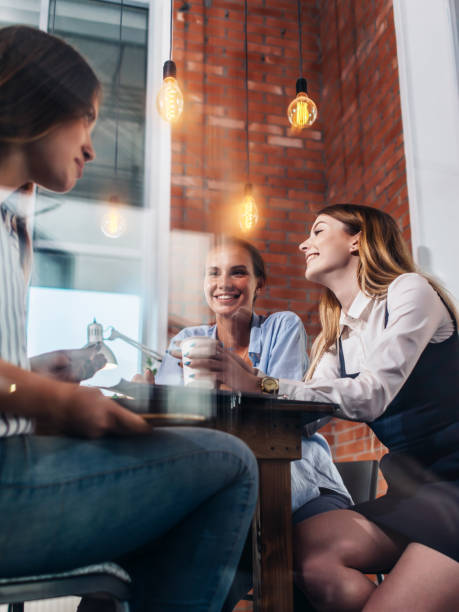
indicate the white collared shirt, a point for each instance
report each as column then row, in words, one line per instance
column 384, row 357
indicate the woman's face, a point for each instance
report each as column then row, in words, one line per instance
column 329, row 249
column 230, row 282
column 57, row 160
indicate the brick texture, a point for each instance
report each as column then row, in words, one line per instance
column 354, row 152
column 363, row 140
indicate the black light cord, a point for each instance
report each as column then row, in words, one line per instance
column 56, row 205
column 54, row 16
column 170, row 31
column 300, row 41
column 118, row 87
column 121, row 20
column 246, row 94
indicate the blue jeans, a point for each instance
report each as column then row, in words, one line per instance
column 172, row 508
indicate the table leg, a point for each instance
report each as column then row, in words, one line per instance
column 272, row 539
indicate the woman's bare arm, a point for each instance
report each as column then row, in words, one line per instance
column 66, row 408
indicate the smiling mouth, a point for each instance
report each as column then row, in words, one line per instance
column 309, row 257
column 226, row 297
column 80, row 167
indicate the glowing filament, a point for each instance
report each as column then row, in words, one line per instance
column 249, row 213
column 170, row 100
column 302, row 111
column 302, row 114
column 113, row 223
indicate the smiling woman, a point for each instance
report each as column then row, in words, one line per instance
column 50, row 128
column 58, row 158
column 276, row 345
column 234, row 277
column 330, row 253
column 387, row 355
column 205, row 480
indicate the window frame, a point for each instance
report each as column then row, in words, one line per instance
column 157, row 183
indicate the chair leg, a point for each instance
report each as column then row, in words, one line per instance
column 16, row 607
column 96, row 604
column 380, row 578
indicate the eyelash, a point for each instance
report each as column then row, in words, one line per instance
column 233, row 274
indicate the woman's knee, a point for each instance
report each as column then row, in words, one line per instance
column 320, row 551
column 219, row 442
column 236, row 452
column 316, row 576
column 313, row 556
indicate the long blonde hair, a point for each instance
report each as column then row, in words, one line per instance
column 383, row 256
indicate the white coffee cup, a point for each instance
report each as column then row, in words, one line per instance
column 198, row 347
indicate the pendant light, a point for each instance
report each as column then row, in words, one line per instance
column 249, row 210
column 302, row 111
column 170, row 99
column 248, row 215
column 113, row 223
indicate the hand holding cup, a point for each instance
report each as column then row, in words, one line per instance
column 195, row 348
column 206, row 364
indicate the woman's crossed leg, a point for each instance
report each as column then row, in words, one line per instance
column 333, row 550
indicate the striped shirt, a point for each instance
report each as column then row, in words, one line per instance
column 14, row 256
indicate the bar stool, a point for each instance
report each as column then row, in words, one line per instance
column 104, row 578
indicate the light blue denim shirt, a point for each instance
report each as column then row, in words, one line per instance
column 277, row 347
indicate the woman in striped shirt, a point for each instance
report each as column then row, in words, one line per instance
column 65, row 500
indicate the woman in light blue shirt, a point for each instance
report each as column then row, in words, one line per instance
column 276, row 345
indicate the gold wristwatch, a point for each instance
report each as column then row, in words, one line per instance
column 268, row 384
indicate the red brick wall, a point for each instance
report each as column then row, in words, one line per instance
column 362, row 123
column 354, row 152
column 287, row 172
column 363, row 139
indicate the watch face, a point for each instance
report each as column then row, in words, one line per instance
column 270, row 384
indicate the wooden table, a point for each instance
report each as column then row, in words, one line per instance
column 272, row 428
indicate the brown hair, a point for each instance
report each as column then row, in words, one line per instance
column 383, row 256
column 43, row 82
column 255, row 255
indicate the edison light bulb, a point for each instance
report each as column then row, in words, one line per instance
column 170, row 99
column 302, row 111
column 113, row 223
column 249, row 211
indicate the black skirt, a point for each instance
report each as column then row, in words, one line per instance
column 421, row 505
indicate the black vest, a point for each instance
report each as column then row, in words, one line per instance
column 421, row 424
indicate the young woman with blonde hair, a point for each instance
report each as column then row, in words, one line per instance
column 388, row 355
